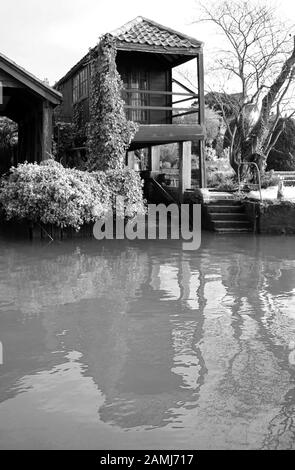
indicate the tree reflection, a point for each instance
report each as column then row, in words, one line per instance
column 164, row 335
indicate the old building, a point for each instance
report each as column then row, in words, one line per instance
column 29, row 102
column 147, row 54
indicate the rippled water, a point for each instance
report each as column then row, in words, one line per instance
column 142, row 345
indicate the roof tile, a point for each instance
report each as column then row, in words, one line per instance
column 144, row 31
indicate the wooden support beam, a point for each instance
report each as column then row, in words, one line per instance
column 130, row 160
column 161, row 133
column 200, row 61
column 46, row 131
column 185, row 167
column 202, row 165
column 154, row 158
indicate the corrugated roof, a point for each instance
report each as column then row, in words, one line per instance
column 144, row 31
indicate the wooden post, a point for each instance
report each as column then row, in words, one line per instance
column 185, row 167
column 130, row 160
column 202, row 166
column 154, row 158
column 46, row 131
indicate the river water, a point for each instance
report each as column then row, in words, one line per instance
column 125, row 345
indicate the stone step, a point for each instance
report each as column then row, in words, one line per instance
column 233, row 230
column 224, row 208
column 232, row 224
column 225, row 202
column 239, row 216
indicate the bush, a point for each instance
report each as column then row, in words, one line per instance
column 65, row 197
column 281, row 157
column 221, row 181
column 50, row 193
column 269, row 179
column 126, row 183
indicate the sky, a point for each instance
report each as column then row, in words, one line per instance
column 49, row 37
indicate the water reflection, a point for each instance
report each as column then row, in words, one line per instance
column 180, row 349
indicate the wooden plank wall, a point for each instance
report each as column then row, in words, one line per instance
column 159, row 78
column 66, row 108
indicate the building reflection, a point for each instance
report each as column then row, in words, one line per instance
column 169, row 338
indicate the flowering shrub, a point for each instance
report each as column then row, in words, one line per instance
column 126, row 183
column 66, row 197
column 53, row 194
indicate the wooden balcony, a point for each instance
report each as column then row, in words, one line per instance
column 162, row 116
column 157, row 134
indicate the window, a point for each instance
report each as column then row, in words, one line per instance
column 80, row 85
column 136, row 80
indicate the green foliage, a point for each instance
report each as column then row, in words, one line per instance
column 66, row 197
column 282, row 156
column 50, row 193
column 213, row 123
column 220, row 174
column 64, row 136
column 221, row 181
column 68, row 135
column 128, row 184
column 110, row 133
column 269, row 179
column 80, row 124
column 8, row 133
column 215, row 163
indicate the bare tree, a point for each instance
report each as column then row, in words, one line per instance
column 259, row 59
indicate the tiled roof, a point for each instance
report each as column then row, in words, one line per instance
column 146, row 32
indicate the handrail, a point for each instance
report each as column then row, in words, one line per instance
column 174, row 80
column 162, row 190
column 258, row 173
column 162, row 108
column 159, row 92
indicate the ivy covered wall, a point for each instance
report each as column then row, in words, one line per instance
column 110, row 132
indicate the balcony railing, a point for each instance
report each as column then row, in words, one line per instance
column 139, row 108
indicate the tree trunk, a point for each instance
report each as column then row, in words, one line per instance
column 254, row 143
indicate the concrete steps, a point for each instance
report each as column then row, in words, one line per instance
column 223, row 208
column 227, row 216
column 233, row 230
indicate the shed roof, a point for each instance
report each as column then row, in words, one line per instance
column 29, row 80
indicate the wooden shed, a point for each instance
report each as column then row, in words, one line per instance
column 29, row 102
column 147, row 53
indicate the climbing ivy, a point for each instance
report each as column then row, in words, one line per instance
column 80, row 124
column 110, row 132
